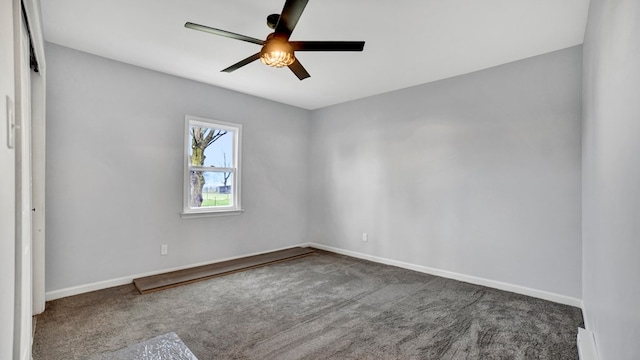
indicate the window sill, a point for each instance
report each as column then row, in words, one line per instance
column 205, row 214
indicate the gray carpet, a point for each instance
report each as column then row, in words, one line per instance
column 323, row 306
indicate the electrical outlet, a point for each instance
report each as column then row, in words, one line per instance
column 365, row 237
column 164, row 249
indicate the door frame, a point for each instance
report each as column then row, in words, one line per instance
column 38, row 151
column 30, row 88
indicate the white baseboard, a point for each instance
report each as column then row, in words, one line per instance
column 545, row 295
column 85, row 288
column 81, row 289
column 562, row 299
column 587, row 345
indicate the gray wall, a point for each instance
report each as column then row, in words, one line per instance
column 611, row 177
column 114, row 171
column 477, row 174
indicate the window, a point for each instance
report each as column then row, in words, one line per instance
column 212, row 167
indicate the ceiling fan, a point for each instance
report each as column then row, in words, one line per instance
column 277, row 50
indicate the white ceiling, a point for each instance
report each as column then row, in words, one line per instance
column 408, row 42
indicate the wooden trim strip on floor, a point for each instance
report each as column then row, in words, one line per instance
column 186, row 276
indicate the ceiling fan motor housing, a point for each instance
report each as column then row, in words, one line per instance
column 272, row 20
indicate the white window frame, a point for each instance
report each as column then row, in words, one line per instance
column 236, row 208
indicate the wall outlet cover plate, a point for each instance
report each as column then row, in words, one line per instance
column 11, row 124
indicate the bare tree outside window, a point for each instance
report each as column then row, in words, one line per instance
column 201, row 138
column 226, row 175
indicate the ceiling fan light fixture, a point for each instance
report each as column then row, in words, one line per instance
column 277, row 52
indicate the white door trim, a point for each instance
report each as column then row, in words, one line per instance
column 38, row 151
column 23, row 287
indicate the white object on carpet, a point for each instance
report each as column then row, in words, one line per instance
column 163, row 347
column 586, row 345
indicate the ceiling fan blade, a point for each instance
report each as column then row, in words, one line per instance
column 289, row 17
column 210, row 30
column 242, row 63
column 327, row 45
column 299, row 70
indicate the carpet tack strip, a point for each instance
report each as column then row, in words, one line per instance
column 187, row 276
